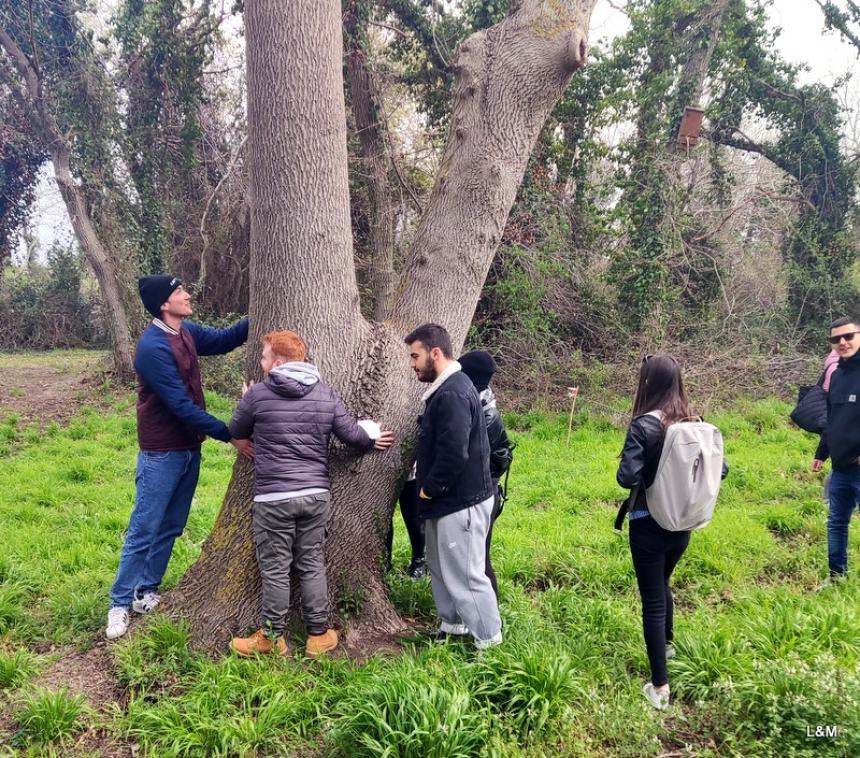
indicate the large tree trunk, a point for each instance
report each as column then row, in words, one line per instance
column 302, row 275
column 103, row 265
column 366, row 111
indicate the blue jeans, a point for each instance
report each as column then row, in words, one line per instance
column 844, row 497
column 165, row 486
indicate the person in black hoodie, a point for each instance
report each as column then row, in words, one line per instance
column 455, row 490
column 479, row 366
column 841, row 441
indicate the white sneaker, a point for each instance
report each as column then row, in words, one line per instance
column 146, row 604
column 660, row 700
column 117, row 623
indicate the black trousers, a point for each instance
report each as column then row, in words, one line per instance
column 488, row 567
column 656, row 552
column 414, row 525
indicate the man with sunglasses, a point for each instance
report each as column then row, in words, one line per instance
column 841, row 441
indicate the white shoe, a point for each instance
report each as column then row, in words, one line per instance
column 496, row 639
column 146, row 604
column 117, row 623
column 660, row 700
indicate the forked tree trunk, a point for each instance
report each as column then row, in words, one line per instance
column 100, row 259
column 302, row 276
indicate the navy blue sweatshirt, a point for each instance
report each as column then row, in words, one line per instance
column 171, row 411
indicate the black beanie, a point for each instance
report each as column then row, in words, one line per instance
column 154, row 291
column 479, row 367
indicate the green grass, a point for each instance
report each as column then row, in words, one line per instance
column 49, row 717
column 761, row 655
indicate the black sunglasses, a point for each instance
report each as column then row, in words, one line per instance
column 646, row 358
column 848, row 336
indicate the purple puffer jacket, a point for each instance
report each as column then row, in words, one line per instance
column 291, row 416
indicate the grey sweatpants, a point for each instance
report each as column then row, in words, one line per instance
column 292, row 532
column 456, row 553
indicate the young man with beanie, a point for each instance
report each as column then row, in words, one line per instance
column 291, row 415
column 840, row 441
column 172, row 422
column 479, row 366
column 455, row 489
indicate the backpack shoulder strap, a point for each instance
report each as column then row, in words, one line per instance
column 624, row 507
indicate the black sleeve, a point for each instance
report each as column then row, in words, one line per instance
column 500, row 445
column 632, row 456
column 823, row 451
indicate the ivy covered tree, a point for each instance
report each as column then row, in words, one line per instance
column 844, row 18
column 51, row 73
column 21, row 158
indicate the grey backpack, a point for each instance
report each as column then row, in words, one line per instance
column 688, row 477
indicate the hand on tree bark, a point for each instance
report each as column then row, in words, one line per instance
column 384, row 441
column 246, row 386
column 245, row 447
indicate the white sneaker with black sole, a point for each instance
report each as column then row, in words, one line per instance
column 117, row 622
column 147, row 603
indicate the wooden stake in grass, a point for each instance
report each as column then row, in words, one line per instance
column 572, row 392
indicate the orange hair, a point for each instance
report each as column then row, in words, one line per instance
column 286, row 345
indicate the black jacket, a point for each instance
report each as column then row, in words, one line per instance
column 840, row 439
column 453, row 454
column 640, row 456
column 500, row 445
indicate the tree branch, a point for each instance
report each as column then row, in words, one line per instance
column 508, row 78
column 201, row 277
column 726, row 138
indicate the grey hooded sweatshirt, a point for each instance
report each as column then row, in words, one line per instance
column 291, row 416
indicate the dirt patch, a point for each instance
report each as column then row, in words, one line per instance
column 92, row 675
column 52, row 386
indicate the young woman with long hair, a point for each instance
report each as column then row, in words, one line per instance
column 655, row 550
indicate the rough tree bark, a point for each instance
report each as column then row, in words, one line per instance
column 508, row 79
column 32, row 99
column 365, row 109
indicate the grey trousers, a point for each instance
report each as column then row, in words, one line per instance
column 456, row 554
column 292, row 533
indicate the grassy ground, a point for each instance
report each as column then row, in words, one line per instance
column 763, row 659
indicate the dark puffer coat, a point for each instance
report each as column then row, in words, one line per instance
column 291, row 416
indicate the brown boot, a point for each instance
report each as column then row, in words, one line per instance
column 318, row 644
column 258, row 642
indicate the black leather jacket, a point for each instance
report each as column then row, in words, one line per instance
column 500, row 445
column 640, row 456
